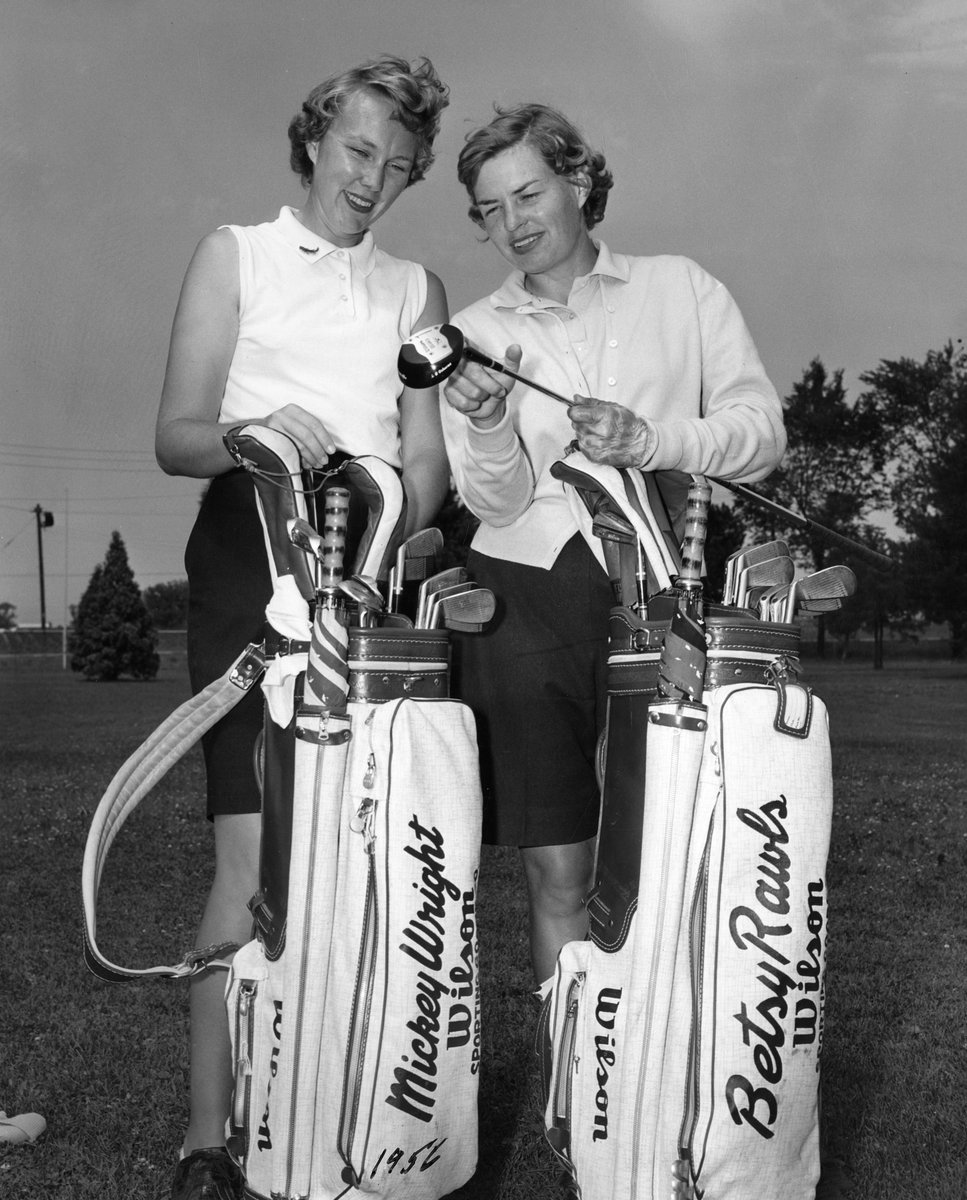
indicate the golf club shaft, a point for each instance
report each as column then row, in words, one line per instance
column 882, row 561
column 486, row 361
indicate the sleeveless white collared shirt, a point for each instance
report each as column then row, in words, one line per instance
column 321, row 326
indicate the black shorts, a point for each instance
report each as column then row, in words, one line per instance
column 229, row 585
column 536, row 681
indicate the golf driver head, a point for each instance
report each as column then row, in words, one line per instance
column 430, row 355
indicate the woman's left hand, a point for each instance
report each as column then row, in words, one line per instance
column 610, row 433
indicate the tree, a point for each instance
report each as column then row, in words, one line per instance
column 167, row 604
column 727, row 532
column 831, row 471
column 8, row 615
column 112, row 633
column 922, row 409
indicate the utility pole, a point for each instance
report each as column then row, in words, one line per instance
column 44, row 521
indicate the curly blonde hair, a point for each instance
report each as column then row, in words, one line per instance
column 416, row 92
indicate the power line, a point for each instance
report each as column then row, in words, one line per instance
column 35, row 448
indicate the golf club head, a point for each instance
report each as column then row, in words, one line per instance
column 430, row 355
column 467, row 612
column 831, row 583
column 767, row 572
column 434, row 583
column 364, row 591
column 747, row 557
column 415, row 558
column 434, row 600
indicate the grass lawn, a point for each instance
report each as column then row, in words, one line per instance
column 106, row 1064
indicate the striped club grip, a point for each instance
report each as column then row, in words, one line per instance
column 696, row 528
column 335, row 524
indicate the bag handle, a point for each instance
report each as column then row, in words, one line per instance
column 150, row 762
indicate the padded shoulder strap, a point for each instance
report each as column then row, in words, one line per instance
column 149, row 763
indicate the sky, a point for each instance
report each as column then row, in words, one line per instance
column 811, row 156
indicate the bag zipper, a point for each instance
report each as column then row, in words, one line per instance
column 647, row 1032
column 565, row 1066
column 244, row 1036
column 363, row 823
column 684, row 1169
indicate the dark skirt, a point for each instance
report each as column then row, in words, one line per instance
column 536, row 682
column 229, row 585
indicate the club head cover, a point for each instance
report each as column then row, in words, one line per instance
column 272, row 459
column 377, row 513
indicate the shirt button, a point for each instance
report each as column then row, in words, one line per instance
column 343, row 277
column 613, row 342
column 610, row 308
column 346, row 298
column 612, row 381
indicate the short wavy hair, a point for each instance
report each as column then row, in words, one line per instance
column 416, row 92
column 553, row 136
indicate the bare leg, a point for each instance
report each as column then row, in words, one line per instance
column 226, row 919
column 558, row 881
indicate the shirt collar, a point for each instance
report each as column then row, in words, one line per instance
column 513, row 294
column 311, row 247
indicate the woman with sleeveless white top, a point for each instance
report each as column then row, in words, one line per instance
column 295, row 324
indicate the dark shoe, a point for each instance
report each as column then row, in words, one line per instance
column 209, row 1174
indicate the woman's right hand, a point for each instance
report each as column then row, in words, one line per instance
column 478, row 392
column 313, row 439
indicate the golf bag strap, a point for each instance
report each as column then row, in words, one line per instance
column 624, row 492
column 146, row 766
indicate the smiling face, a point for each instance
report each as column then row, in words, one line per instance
column 533, row 216
column 360, row 167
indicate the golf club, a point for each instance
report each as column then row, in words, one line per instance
column 364, row 591
column 768, row 572
column 436, row 583
column 454, row 589
column 466, row 612
column 302, row 535
column 831, row 583
column 415, row 557
column 772, row 602
column 432, row 354
column 746, row 557
column 882, row 562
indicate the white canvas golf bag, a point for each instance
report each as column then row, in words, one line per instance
column 681, row 1041
column 354, row 1011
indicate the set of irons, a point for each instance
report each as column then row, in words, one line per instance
column 447, row 599
column 763, row 579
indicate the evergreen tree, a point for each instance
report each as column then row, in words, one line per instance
column 113, row 634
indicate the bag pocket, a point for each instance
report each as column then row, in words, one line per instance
column 254, row 1005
